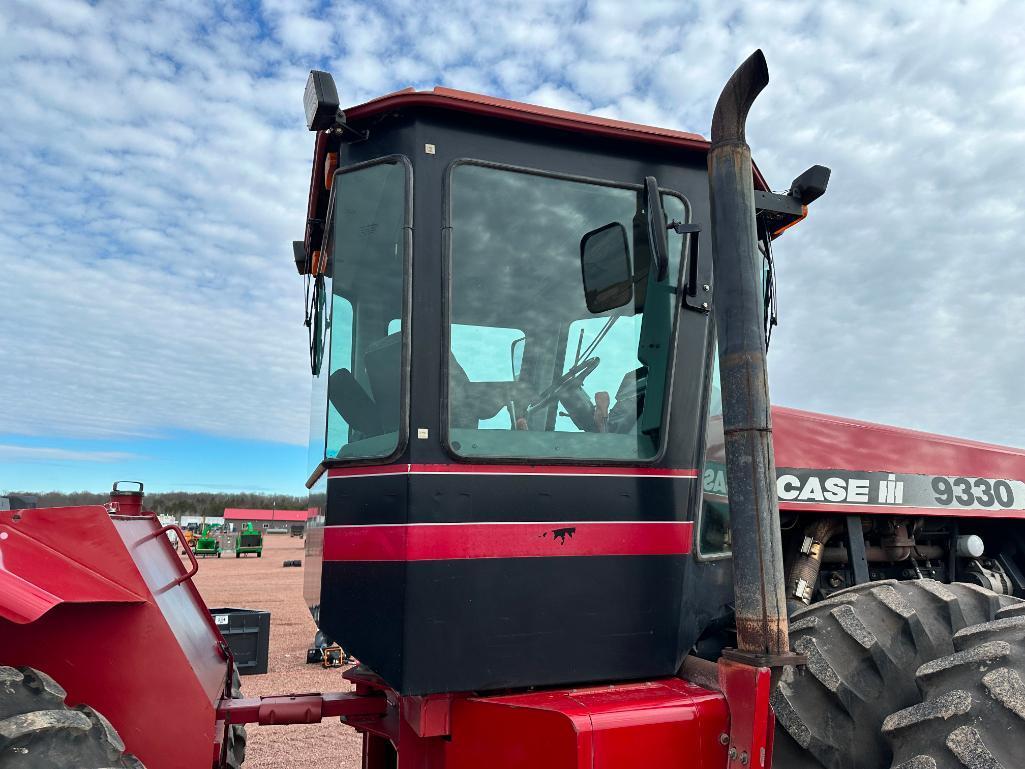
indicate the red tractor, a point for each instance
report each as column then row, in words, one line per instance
column 538, row 345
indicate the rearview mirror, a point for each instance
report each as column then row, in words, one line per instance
column 656, row 228
column 605, row 266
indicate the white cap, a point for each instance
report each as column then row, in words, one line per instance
column 970, row 546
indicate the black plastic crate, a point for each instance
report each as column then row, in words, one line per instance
column 247, row 632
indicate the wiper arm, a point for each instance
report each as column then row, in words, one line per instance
column 597, row 340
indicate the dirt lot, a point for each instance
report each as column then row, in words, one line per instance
column 262, row 583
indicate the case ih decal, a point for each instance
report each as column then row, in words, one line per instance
column 802, row 486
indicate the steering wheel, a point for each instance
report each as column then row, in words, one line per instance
column 572, row 378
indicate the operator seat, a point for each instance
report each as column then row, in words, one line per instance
column 469, row 402
column 383, row 363
column 461, row 400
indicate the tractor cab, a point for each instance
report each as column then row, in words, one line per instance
column 511, row 347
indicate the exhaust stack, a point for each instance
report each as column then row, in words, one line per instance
column 758, row 577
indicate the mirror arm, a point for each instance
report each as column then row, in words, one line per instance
column 695, row 297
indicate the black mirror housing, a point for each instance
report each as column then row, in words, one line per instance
column 605, row 268
column 656, row 228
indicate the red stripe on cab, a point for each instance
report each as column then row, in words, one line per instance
column 453, row 541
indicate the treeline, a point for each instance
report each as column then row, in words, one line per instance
column 178, row 503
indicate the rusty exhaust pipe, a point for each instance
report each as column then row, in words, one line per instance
column 758, row 576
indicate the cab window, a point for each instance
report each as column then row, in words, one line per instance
column 532, row 372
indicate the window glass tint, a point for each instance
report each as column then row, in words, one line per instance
column 714, row 529
column 619, row 349
column 487, row 352
column 515, row 273
column 367, row 265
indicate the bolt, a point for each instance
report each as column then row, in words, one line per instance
column 706, row 287
column 733, row 753
column 724, row 739
column 743, row 759
column 704, row 305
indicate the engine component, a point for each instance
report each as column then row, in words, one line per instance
column 876, row 554
column 970, row 546
column 805, row 573
column 988, row 574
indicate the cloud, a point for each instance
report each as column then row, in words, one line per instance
column 13, row 453
column 156, row 167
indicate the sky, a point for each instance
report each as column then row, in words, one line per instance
column 155, row 167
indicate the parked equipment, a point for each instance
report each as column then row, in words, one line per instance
column 188, row 541
column 207, row 543
column 519, row 517
column 249, row 540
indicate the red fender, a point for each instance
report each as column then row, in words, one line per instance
column 35, row 575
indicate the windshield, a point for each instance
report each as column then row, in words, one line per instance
column 366, row 288
column 532, row 373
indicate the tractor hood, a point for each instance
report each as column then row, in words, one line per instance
column 836, row 464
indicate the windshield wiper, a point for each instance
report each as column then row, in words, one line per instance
column 597, row 340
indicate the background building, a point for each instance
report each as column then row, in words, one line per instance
column 268, row 520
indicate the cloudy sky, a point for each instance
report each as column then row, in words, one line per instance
column 155, row 165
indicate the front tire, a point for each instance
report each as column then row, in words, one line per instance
column 864, row 645
column 37, row 729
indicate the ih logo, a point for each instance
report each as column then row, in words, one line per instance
column 891, row 491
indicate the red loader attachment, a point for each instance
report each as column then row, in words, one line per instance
column 100, row 601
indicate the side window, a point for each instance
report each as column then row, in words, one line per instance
column 714, row 528
column 368, row 266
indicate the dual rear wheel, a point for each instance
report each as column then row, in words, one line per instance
column 874, row 651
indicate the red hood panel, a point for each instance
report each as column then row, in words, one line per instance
column 807, row 439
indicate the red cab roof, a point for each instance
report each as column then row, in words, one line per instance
column 490, row 106
column 479, row 104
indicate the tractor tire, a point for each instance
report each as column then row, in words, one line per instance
column 39, row 731
column 863, row 646
column 972, row 713
column 237, row 735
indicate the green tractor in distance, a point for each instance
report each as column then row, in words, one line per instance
column 207, row 543
column 249, row 540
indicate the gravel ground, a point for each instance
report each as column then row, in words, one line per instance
column 262, row 583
